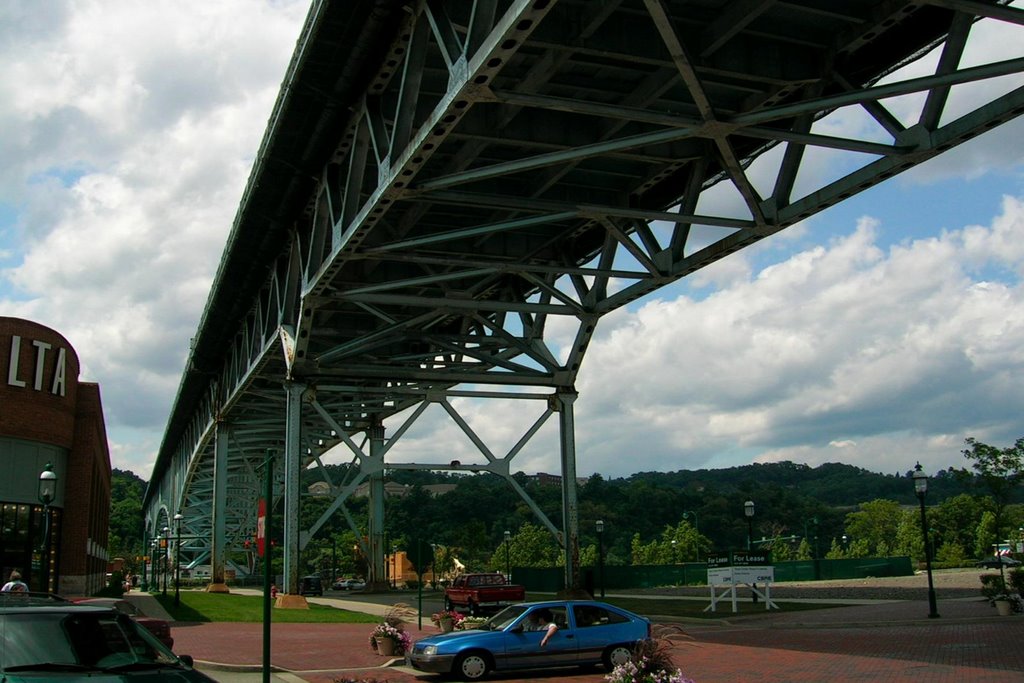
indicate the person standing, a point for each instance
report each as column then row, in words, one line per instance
column 15, row 585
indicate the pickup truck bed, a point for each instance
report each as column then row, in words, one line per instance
column 476, row 593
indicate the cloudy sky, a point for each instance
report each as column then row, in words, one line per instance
column 881, row 332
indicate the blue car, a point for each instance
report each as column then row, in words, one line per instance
column 588, row 632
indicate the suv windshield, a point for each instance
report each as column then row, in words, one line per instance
column 72, row 640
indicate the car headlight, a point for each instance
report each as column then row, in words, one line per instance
column 430, row 650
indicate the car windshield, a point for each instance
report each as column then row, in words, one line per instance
column 77, row 641
column 503, row 619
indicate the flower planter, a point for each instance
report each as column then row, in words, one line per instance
column 1004, row 608
column 446, row 625
column 385, row 646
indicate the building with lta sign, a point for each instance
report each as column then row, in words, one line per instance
column 48, row 417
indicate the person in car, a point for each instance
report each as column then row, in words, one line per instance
column 541, row 620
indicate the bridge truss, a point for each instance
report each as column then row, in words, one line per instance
column 448, row 190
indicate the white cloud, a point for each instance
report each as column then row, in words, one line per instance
column 840, row 345
column 127, row 145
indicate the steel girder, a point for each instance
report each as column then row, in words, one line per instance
column 439, row 178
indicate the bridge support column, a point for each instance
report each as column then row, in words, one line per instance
column 220, row 502
column 292, row 472
column 570, row 506
column 375, row 578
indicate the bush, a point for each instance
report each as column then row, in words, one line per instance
column 1017, row 580
column 992, row 586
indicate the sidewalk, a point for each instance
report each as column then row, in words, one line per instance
column 883, row 640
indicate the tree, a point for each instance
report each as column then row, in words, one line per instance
column 874, row 525
column 530, row 546
column 1000, row 471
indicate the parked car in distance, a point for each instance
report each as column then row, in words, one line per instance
column 50, row 639
column 311, row 585
column 475, row 593
column 589, row 632
column 158, row 627
column 348, row 585
column 996, row 561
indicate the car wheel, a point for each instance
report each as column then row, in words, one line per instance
column 615, row 655
column 472, row 666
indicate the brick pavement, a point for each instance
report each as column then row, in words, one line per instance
column 881, row 642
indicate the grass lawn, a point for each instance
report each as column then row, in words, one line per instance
column 199, row 606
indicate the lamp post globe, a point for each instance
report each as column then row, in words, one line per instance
column 921, row 489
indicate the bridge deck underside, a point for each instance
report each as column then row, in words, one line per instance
column 439, row 179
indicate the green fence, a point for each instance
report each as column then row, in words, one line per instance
column 551, row 579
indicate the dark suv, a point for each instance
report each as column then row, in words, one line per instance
column 311, row 585
column 46, row 638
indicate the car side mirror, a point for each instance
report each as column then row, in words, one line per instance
column 518, row 628
column 187, row 660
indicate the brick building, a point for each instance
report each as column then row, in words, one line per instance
column 48, row 417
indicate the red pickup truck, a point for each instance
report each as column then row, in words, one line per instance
column 478, row 592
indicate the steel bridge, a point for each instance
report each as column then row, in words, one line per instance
column 445, row 187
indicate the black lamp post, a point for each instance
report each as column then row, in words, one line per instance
column 748, row 511
column 600, row 555
column 177, row 559
column 508, row 567
column 921, row 489
column 166, row 552
column 154, row 548
column 47, row 492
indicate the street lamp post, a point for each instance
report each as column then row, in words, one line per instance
column 47, row 492
column 508, row 567
column 748, row 511
column 600, row 555
column 177, row 558
column 166, row 553
column 154, row 547
column 921, row 489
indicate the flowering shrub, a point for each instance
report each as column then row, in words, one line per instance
column 632, row 672
column 470, row 623
column 651, row 663
column 436, row 617
column 401, row 639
